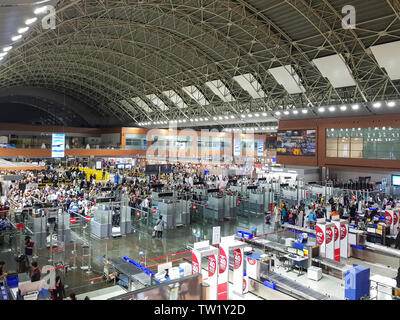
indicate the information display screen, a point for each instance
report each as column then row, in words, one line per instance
column 396, row 181
column 155, row 169
column 58, row 145
column 296, row 143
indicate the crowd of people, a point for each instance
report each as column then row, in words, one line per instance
column 76, row 192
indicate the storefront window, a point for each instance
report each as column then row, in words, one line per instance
column 366, row 143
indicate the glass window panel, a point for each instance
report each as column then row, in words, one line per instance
column 356, row 154
column 332, row 153
column 344, row 148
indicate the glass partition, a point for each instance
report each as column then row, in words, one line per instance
column 365, row 143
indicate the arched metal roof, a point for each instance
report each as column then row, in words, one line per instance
column 107, row 53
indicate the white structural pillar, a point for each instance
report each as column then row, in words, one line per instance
column 203, row 249
column 227, row 245
column 336, row 239
column 325, row 239
column 344, row 239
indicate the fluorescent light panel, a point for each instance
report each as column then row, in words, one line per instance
column 251, row 85
column 175, row 99
column 334, row 68
column 288, row 79
column 196, row 95
column 219, row 88
column 157, row 102
column 141, row 104
column 387, row 56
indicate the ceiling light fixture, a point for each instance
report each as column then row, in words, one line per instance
column 322, row 109
column 343, row 108
column 304, row 111
column 40, row 10
column 355, row 107
column 391, row 104
column 278, row 113
column 332, row 109
column 286, row 112
column 377, row 105
column 15, row 38
column 22, row 30
column 30, row 21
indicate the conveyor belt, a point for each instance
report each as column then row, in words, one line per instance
column 293, row 227
column 382, row 249
column 267, row 243
column 294, row 288
column 333, row 264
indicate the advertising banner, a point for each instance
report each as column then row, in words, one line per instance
column 389, row 217
column 320, row 238
column 245, row 283
column 296, row 143
column 213, row 276
column 58, row 145
column 396, row 222
column 196, row 260
column 260, row 148
column 325, row 239
column 329, row 241
column 344, row 239
column 238, row 270
column 223, row 272
column 337, row 240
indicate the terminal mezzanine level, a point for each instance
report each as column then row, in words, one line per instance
column 35, row 142
column 365, row 134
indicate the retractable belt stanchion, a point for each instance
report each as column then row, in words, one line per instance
column 51, row 248
column 74, row 253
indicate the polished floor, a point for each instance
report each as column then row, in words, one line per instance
column 81, row 281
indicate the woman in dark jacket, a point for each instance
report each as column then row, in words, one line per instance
column 59, row 292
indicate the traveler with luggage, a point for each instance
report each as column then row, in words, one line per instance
column 29, row 243
column 59, row 292
column 159, row 227
column 35, row 272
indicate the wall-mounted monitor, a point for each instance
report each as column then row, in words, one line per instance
column 296, row 143
column 396, row 180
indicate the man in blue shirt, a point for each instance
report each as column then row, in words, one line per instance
column 116, row 178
